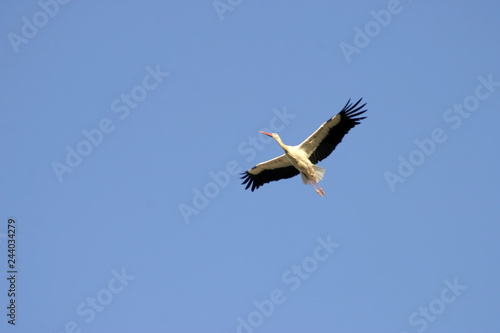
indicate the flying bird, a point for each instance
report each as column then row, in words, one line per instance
column 302, row 158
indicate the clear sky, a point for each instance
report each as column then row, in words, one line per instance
column 124, row 124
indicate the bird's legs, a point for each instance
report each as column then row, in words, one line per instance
column 314, row 183
column 319, row 191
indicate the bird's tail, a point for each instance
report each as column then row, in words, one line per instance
column 319, row 172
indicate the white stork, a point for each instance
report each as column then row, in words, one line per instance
column 302, row 158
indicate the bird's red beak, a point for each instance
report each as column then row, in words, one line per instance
column 269, row 134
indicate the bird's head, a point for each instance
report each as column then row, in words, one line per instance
column 275, row 136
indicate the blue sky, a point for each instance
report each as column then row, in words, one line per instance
column 124, row 124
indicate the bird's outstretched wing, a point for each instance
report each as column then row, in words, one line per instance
column 269, row 171
column 321, row 143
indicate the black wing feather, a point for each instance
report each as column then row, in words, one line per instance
column 265, row 176
column 349, row 117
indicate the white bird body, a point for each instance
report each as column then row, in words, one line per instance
column 302, row 158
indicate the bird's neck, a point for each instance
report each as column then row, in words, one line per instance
column 282, row 145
